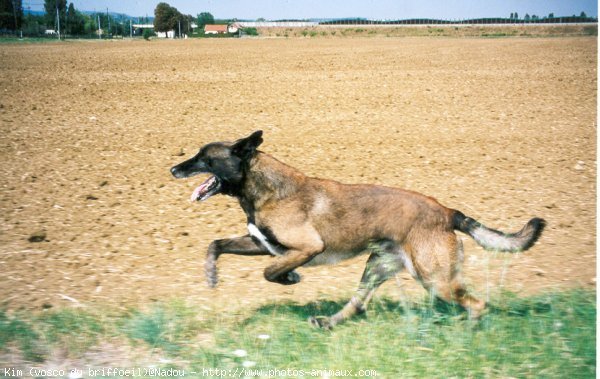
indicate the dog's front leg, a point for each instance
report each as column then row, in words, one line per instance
column 282, row 271
column 304, row 244
column 241, row 246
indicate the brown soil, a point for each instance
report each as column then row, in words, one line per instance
column 501, row 129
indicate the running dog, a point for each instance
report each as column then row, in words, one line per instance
column 305, row 221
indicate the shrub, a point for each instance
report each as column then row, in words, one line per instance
column 250, row 31
column 148, row 33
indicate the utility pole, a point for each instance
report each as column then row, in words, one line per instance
column 58, row 20
column 130, row 29
column 108, row 17
column 99, row 30
column 179, row 28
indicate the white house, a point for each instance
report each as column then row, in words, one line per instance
column 233, row 28
column 169, row 34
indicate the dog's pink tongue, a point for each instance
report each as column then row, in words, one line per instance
column 202, row 189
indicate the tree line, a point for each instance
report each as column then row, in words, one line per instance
column 75, row 23
column 72, row 21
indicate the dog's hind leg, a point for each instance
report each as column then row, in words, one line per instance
column 441, row 272
column 245, row 245
column 383, row 263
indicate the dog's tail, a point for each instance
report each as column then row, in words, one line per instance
column 495, row 240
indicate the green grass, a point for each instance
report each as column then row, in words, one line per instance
column 169, row 327
column 550, row 335
column 26, row 40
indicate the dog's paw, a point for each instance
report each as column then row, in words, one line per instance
column 320, row 322
column 290, row 278
column 212, row 281
column 210, row 269
column 293, row 277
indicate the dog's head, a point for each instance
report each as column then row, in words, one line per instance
column 225, row 161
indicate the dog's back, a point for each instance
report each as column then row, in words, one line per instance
column 347, row 216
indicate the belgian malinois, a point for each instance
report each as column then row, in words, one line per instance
column 306, row 221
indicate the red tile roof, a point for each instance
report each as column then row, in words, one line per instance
column 215, row 28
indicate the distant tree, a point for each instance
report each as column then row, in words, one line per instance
column 70, row 18
column 583, row 15
column 147, row 34
column 534, row 18
column 527, row 17
column 90, row 25
column 205, row 18
column 516, row 16
column 33, row 24
column 50, row 7
column 166, row 18
column 18, row 13
column 186, row 24
column 11, row 14
column 551, row 15
column 512, row 16
column 75, row 22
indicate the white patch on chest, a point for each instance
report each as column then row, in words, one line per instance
column 256, row 233
column 321, row 205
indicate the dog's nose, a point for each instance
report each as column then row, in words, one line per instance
column 174, row 171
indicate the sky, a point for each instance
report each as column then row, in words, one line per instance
column 372, row 9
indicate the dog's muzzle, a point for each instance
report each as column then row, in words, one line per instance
column 209, row 187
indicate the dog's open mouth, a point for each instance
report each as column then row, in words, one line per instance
column 209, row 187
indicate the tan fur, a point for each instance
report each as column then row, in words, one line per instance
column 323, row 221
column 285, row 200
column 304, row 221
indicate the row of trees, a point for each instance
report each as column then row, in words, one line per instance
column 515, row 16
column 75, row 23
column 72, row 21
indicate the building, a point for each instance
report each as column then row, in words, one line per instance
column 233, row 28
column 215, row 29
column 169, row 34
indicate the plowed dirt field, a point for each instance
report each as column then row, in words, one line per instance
column 501, row 129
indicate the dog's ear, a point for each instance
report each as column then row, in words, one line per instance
column 246, row 147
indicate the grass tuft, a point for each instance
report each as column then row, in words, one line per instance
column 168, row 327
column 13, row 330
